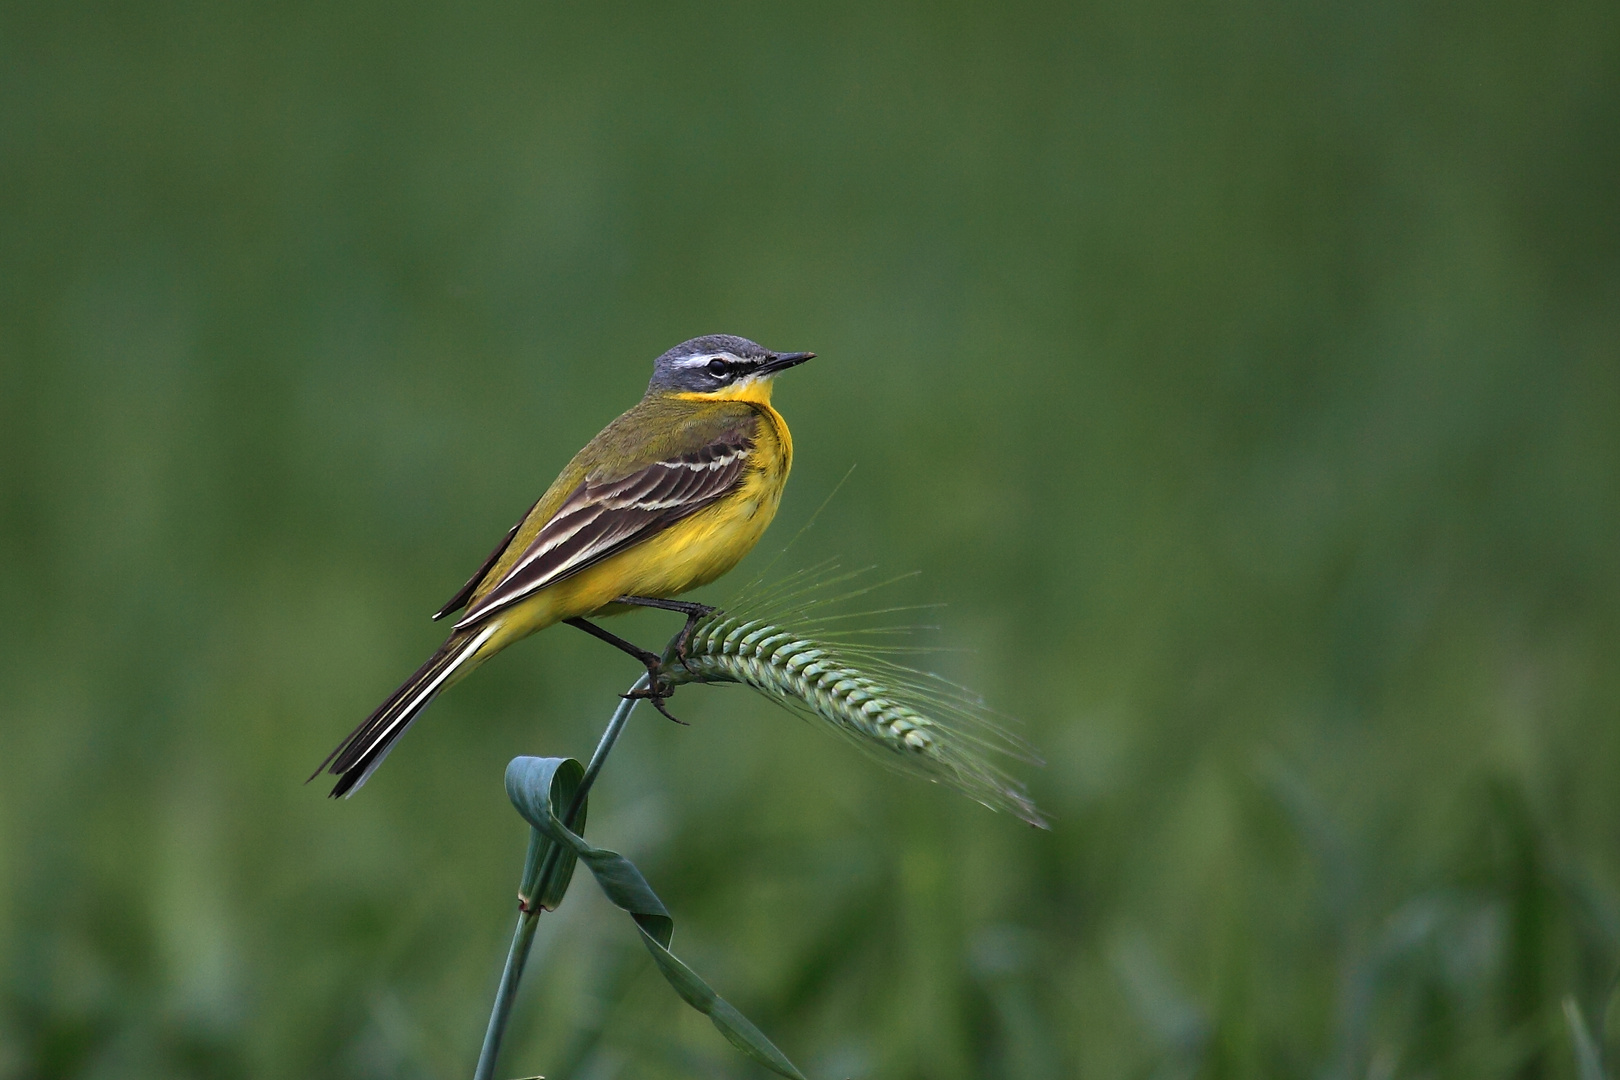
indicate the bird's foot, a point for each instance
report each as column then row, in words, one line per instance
column 657, row 691
column 683, row 641
column 694, row 612
column 658, row 688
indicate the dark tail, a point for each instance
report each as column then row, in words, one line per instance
column 358, row 755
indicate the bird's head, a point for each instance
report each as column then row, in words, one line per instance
column 720, row 367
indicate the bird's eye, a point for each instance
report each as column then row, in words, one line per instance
column 718, row 368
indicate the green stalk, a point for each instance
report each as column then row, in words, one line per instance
column 529, row 918
column 909, row 718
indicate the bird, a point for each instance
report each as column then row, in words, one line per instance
column 665, row 499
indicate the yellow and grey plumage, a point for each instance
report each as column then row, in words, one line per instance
column 665, row 499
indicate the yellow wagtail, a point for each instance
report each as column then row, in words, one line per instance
column 666, row 498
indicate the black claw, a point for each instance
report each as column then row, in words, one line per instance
column 656, row 698
column 658, row 703
column 683, row 642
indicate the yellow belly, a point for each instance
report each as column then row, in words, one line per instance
column 686, row 556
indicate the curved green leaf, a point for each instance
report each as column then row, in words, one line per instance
column 537, row 791
column 535, row 785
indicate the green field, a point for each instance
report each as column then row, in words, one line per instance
column 1242, row 381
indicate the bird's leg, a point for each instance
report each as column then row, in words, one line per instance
column 656, row 691
column 694, row 614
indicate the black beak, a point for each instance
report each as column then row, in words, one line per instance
column 782, row 361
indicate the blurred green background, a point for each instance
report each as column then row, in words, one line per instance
column 1243, row 377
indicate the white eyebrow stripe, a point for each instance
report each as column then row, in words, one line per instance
column 699, row 361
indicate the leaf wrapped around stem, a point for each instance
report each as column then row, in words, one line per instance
column 532, row 784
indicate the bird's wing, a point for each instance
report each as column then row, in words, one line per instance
column 603, row 516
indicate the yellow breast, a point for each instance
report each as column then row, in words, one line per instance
column 686, row 556
column 712, row 541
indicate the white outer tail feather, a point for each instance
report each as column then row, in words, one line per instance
column 406, row 716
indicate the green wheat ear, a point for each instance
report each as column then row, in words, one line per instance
column 909, row 719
